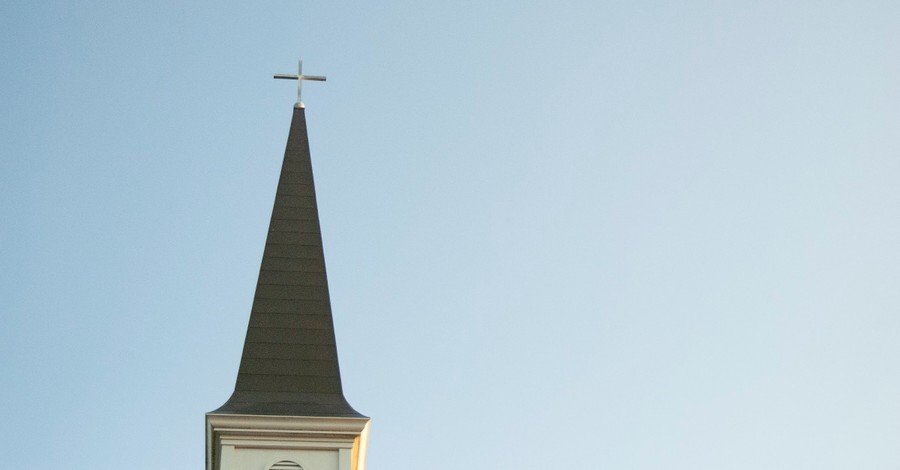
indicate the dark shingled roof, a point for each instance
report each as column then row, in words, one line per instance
column 289, row 366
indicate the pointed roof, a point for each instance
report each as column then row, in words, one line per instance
column 289, row 366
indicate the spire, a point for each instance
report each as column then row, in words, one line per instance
column 289, row 366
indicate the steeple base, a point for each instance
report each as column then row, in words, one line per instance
column 255, row 442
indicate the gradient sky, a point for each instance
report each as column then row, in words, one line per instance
column 581, row 234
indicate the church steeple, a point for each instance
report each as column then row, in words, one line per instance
column 288, row 408
column 289, row 365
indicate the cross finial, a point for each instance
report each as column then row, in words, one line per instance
column 300, row 77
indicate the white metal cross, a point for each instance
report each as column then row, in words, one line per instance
column 300, row 77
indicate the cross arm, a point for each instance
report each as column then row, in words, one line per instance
column 317, row 78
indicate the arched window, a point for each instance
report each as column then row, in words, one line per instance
column 286, row 465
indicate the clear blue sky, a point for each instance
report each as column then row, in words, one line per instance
column 615, row 235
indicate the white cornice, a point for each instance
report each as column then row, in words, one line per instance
column 309, row 424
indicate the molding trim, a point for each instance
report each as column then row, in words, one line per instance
column 269, row 423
